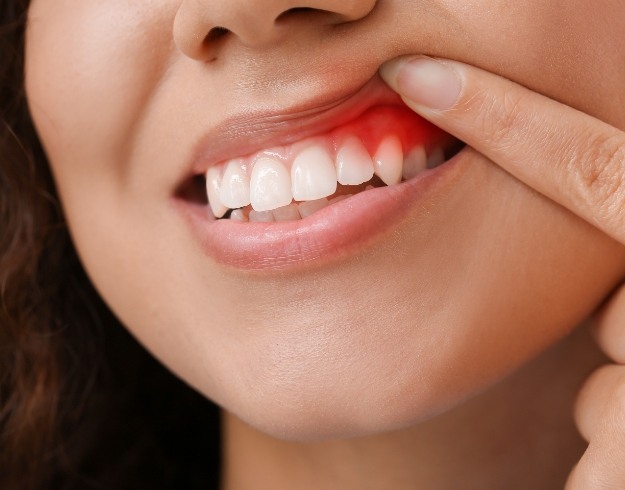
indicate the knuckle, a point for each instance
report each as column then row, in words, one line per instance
column 598, row 165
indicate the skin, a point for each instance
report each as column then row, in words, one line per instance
column 464, row 293
column 587, row 161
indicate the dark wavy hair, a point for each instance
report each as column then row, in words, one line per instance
column 82, row 405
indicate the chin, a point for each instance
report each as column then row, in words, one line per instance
column 322, row 381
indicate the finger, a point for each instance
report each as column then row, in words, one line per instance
column 600, row 468
column 602, row 393
column 572, row 158
column 609, row 327
column 600, row 415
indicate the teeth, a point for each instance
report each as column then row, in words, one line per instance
column 309, row 207
column 270, row 185
column 261, row 216
column 270, row 189
column 353, row 163
column 235, row 185
column 238, row 215
column 388, row 160
column 213, row 184
column 287, row 213
column 414, row 163
column 436, row 156
column 313, row 175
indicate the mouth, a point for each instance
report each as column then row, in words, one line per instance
column 309, row 194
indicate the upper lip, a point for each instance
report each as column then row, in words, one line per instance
column 249, row 132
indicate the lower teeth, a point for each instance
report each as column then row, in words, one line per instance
column 292, row 212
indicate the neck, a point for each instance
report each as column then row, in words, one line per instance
column 519, row 431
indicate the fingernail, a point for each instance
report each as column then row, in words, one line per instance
column 424, row 81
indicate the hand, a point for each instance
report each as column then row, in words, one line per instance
column 520, row 130
column 600, row 407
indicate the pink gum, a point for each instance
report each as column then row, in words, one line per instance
column 371, row 128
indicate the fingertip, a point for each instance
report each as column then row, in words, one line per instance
column 594, row 398
column 424, row 82
column 390, row 70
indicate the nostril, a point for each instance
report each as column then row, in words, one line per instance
column 294, row 12
column 215, row 34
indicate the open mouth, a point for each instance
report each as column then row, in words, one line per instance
column 314, row 186
column 385, row 146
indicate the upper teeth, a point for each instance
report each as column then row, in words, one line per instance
column 269, row 181
column 270, row 185
column 353, row 163
column 235, row 185
column 313, row 175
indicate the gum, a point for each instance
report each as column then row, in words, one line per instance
column 371, row 128
column 378, row 122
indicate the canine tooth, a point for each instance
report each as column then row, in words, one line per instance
column 312, row 174
column 436, row 156
column 307, row 208
column 270, row 185
column 261, row 216
column 238, row 215
column 235, row 185
column 388, row 160
column 213, row 184
column 414, row 163
column 353, row 163
column 287, row 213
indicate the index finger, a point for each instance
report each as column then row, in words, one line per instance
column 567, row 155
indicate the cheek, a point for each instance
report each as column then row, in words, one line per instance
column 90, row 69
column 422, row 323
column 395, row 335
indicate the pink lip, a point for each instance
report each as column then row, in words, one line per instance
column 336, row 231
column 248, row 133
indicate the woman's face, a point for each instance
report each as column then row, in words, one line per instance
column 374, row 313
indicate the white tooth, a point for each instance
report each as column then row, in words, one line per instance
column 353, row 163
column 238, row 215
column 287, row 213
column 313, row 175
column 261, row 216
column 213, row 184
column 436, row 156
column 388, row 160
column 414, row 163
column 235, row 185
column 270, row 185
column 307, row 208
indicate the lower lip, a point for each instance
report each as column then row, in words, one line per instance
column 334, row 233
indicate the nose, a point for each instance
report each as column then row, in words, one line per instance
column 200, row 25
